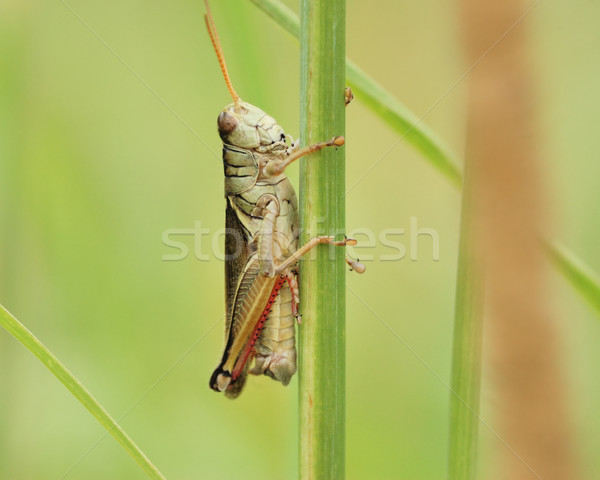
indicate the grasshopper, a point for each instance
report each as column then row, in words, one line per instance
column 261, row 241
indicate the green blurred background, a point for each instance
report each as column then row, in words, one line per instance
column 108, row 132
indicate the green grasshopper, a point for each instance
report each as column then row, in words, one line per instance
column 261, row 241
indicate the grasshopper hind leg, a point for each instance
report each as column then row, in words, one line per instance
column 292, row 280
column 275, row 350
column 235, row 388
column 220, row 381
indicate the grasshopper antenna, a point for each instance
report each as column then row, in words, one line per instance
column 212, row 31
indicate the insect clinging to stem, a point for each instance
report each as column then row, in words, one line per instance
column 261, row 241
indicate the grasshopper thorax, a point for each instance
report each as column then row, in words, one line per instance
column 246, row 126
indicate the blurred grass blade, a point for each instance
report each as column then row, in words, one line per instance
column 20, row 332
column 403, row 121
column 400, row 118
column 282, row 14
column 583, row 278
column 322, row 340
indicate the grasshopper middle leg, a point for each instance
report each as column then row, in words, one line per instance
column 312, row 243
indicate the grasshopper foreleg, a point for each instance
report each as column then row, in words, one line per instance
column 277, row 167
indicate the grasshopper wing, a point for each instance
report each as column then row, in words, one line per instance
column 249, row 303
column 247, row 294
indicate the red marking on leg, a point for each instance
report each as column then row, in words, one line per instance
column 239, row 366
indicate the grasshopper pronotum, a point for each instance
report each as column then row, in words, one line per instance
column 261, row 241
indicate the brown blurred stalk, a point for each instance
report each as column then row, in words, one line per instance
column 525, row 353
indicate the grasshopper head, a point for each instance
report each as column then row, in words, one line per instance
column 244, row 125
column 241, row 124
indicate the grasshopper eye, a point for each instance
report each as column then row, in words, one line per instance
column 282, row 137
column 226, row 122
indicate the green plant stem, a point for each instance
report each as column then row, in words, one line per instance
column 466, row 349
column 20, row 332
column 322, row 278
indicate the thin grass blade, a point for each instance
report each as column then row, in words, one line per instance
column 23, row 335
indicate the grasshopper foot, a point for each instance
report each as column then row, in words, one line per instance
column 355, row 265
column 348, row 95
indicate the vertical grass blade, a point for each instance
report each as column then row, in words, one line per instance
column 20, row 332
column 466, row 349
column 322, row 276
